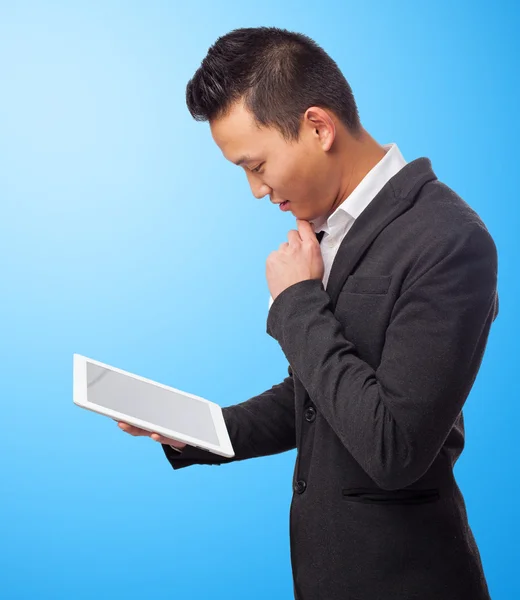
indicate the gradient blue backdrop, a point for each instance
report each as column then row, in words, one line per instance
column 127, row 237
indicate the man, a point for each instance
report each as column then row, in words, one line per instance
column 384, row 326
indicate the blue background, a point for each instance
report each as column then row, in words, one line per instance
column 127, row 237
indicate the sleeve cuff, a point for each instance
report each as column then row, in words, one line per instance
column 285, row 300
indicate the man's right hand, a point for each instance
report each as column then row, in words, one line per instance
column 136, row 431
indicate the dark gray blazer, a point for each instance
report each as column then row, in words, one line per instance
column 381, row 363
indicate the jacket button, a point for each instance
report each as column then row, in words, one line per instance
column 299, row 486
column 310, row 414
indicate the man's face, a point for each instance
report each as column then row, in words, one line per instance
column 302, row 172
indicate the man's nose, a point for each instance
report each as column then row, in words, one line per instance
column 260, row 190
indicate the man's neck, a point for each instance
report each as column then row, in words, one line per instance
column 359, row 157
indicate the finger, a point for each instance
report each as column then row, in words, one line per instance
column 306, row 230
column 136, row 431
column 294, row 237
column 164, row 440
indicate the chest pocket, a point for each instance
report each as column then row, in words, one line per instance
column 363, row 308
column 363, row 284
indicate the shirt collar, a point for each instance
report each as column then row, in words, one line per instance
column 365, row 192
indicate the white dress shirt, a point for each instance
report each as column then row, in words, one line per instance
column 341, row 220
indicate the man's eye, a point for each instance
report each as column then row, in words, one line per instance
column 257, row 169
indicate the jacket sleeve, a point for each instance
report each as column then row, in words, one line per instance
column 260, row 426
column 395, row 419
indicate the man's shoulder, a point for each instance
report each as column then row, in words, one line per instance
column 438, row 225
column 440, row 216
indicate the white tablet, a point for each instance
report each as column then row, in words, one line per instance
column 150, row 405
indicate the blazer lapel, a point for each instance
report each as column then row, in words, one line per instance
column 397, row 196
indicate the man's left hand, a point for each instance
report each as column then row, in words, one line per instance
column 297, row 260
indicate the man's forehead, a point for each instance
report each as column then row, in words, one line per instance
column 235, row 122
column 238, row 145
column 240, row 138
column 234, row 151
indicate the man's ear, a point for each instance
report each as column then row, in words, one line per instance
column 323, row 125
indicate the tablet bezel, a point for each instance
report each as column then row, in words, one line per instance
column 224, row 448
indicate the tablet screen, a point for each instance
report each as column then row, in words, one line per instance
column 150, row 403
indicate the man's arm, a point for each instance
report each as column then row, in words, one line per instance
column 260, row 426
column 394, row 420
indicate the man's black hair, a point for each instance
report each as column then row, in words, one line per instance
column 277, row 73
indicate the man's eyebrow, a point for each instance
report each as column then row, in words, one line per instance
column 243, row 159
